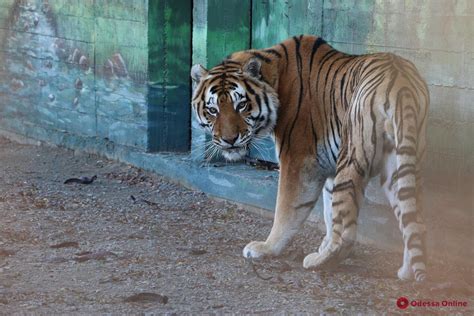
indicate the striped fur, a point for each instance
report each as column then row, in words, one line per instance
column 342, row 119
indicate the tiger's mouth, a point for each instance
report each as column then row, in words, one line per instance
column 234, row 153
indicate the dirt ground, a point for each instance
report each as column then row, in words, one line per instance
column 97, row 248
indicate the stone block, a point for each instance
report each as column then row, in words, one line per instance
column 123, row 133
column 467, row 78
column 451, row 103
column 339, row 26
column 443, row 32
column 389, row 6
column 75, row 28
column 123, row 9
column 123, row 108
column 449, row 137
column 442, row 170
column 437, row 67
column 77, row 8
column 76, row 123
column 121, row 32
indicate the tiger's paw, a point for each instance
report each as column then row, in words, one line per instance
column 257, row 249
column 405, row 273
column 328, row 258
column 316, row 260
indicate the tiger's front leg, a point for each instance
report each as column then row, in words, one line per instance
column 327, row 199
column 298, row 190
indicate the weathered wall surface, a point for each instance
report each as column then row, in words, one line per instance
column 72, row 68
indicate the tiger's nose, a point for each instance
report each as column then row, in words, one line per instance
column 230, row 140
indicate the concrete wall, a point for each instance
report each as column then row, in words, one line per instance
column 71, row 67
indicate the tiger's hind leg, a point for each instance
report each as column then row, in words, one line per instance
column 408, row 214
column 347, row 193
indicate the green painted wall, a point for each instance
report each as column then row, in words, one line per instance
column 95, row 68
column 219, row 28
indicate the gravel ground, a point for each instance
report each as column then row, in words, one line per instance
column 99, row 248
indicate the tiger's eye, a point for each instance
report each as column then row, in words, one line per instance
column 212, row 110
column 242, row 106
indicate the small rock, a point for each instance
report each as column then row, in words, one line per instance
column 6, row 252
column 100, row 255
column 78, row 84
column 65, row 244
column 17, row 84
column 30, row 66
column 84, row 62
column 108, row 68
column 57, row 260
column 75, row 57
column 119, row 65
column 197, row 252
column 147, row 297
column 51, row 97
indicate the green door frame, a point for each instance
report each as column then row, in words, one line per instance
column 169, row 64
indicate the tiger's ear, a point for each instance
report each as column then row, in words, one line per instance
column 253, row 68
column 197, row 72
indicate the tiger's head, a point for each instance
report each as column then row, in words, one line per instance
column 234, row 104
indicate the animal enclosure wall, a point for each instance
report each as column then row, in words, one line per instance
column 97, row 69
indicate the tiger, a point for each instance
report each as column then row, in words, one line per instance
column 337, row 120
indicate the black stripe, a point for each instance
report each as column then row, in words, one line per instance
column 300, row 96
column 408, row 218
column 273, row 52
column 358, row 168
column 374, row 131
column 248, row 87
column 286, row 54
column 266, row 101
column 261, row 57
column 259, row 103
column 316, row 45
column 229, row 61
column 343, row 186
column 352, row 222
column 420, row 274
column 406, row 150
column 309, row 204
column 417, row 259
column 406, row 193
column 328, row 190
